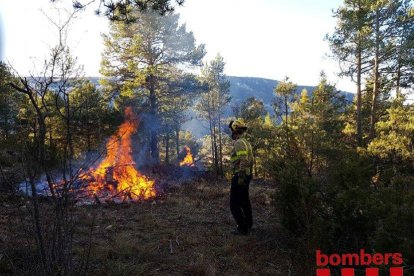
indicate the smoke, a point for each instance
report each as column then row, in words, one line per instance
column 140, row 151
column 149, row 122
column 141, row 140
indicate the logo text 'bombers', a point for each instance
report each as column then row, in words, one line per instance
column 361, row 259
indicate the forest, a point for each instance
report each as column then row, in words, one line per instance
column 101, row 177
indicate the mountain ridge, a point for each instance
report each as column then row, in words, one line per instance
column 262, row 89
column 241, row 88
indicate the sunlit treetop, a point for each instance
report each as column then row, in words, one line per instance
column 120, row 10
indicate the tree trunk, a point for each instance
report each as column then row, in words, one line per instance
column 256, row 174
column 398, row 80
column 154, row 147
column 50, row 135
column 312, row 154
column 88, row 130
column 359, row 98
column 375, row 91
column 216, row 167
column 155, row 154
column 36, row 213
column 221, row 171
column 212, row 143
column 177, row 141
column 212, row 134
column 6, row 125
column 69, row 139
column 286, row 124
column 167, row 148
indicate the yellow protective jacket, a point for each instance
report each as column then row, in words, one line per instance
column 242, row 156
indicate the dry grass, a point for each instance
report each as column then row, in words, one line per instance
column 186, row 231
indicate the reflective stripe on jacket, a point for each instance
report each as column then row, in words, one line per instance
column 242, row 156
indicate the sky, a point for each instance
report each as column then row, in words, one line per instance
column 261, row 38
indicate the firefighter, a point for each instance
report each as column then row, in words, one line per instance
column 242, row 161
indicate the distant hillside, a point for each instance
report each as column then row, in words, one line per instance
column 242, row 88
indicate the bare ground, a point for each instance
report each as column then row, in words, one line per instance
column 185, row 231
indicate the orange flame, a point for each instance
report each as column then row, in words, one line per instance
column 117, row 172
column 188, row 159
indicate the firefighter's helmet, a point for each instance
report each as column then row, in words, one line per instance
column 237, row 125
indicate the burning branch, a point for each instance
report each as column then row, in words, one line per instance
column 188, row 159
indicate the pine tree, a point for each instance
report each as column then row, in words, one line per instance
column 350, row 45
column 384, row 25
column 184, row 90
column 395, row 140
column 285, row 93
column 89, row 113
column 212, row 104
column 120, row 10
column 317, row 124
column 402, row 51
column 392, row 149
column 9, row 104
column 139, row 59
column 377, row 33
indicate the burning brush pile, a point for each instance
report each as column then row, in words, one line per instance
column 116, row 177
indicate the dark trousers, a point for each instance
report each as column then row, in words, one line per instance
column 240, row 206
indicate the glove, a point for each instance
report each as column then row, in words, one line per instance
column 242, row 178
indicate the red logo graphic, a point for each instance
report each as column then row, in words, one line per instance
column 361, row 259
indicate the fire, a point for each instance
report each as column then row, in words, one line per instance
column 117, row 174
column 188, row 159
